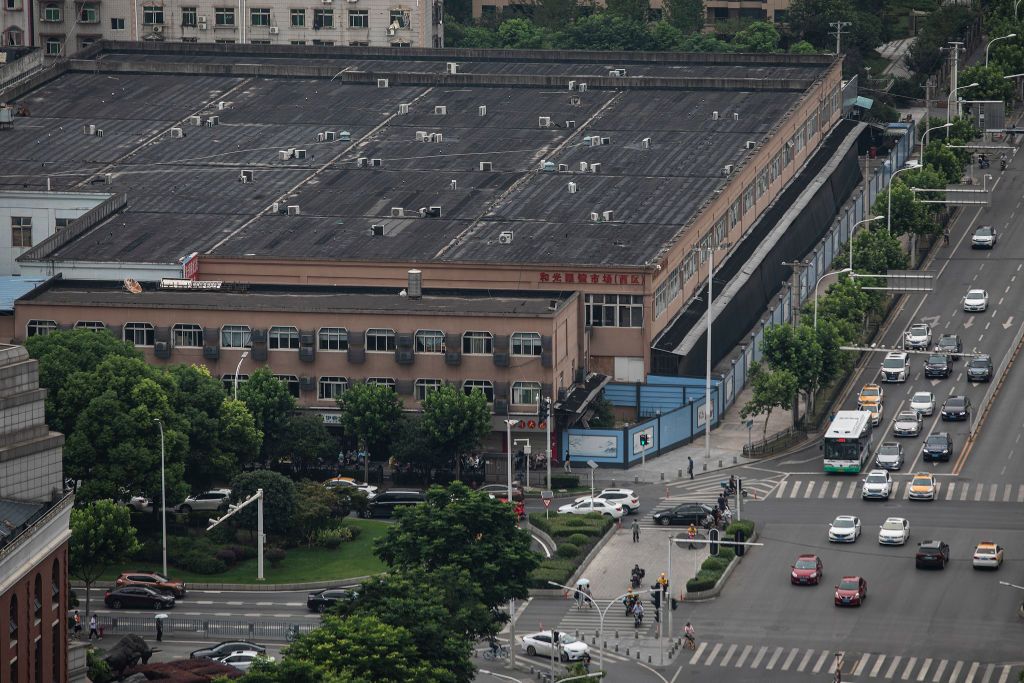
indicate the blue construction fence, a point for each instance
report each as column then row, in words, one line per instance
column 672, row 408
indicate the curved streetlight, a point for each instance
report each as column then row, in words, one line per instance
column 238, row 369
column 888, row 213
column 949, row 100
column 163, row 496
column 1007, row 36
column 852, row 231
column 924, row 138
column 834, row 272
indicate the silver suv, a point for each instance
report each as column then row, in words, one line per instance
column 209, row 501
column 918, row 336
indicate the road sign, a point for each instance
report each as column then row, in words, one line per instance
column 547, row 502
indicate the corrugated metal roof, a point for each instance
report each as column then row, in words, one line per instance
column 12, row 288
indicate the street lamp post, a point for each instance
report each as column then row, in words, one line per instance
column 238, row 369
column 1015, row 10
column 854, row 230
column 834, row 272
column 163, row 496
column 508, row 431
column 924, row 139
column 952, row 93
column 1009, row 35
column 892, row 177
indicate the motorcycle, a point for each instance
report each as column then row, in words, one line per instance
column 1002, row 165
column 636, row 579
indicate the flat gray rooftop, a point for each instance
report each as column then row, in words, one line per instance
column 184, row 194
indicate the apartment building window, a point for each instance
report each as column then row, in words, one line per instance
column 259, row 16
column 388, row 382
column 139, row 334
column 189, row 39
column 666, row 293
column 13, row 37
column 429, row 341
column 296, row 42
column 55, row 583
column 291, row 382
column 187, row 335
column 88, row 13
column 323, row 18
column 487, row 387
column 52, row 12
column 734, row 214
column 283, row 338
column 614, row 310
column 236, row 337
column 224, row 16
column 38, row 602
column 21, row 231
column 225, row 41
column 332, row 339
column 358, row 18
column 425, row 386
column 721, row 230
column 380, row 339
column 359, row 43
column 775, row 170
column 526, row 393
column 748, row 198
column 526, row 344
column 228, row 382
column 478, row 342
column 399, row 19
column 152, row 14
column 55, row 650
column 13, row 628
column 298, row 18
column 323, row 42
column 61, row 223
column 689, row 268
column 91, row 325
column 40, row 328
column 762, row 183
column 189, row 16
column 116, row 24
column 12, row 5
column 403, row 44
column 330, row 388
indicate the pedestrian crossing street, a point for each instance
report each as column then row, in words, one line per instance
column 586, row 622
column 944, row 490
column 855, row 666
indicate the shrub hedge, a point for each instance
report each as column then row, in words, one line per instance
column 575, row 535
column 712, row 568
column 565, row 481
column 567, row 550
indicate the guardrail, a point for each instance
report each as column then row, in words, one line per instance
column 116, row 624
column 774, row 443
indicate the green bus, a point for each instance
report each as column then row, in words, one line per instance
column 848, row 441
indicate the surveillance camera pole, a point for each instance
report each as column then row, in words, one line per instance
column 260, row 536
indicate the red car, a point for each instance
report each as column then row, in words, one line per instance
column 851, row 591
column 807, row 570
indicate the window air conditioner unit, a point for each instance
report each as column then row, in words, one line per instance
column 572, row 188
column 195, row 120
column 544, row 121
column 595, row 217
column 608, row 216
column 751, row 144
column 727, row 169
column 453, row 68
column 482, row 110
column 202, row 20
column 505, row 237
column 440, row 110
column 321, row 137
column 397, row 212
column 582, row 87
column 376, row 230
column 284, row 155
column 361, row 162
column 403, row 108
column 375, row 162
column 212, row 120
column 595, row 168
column 300, row 154
column 158, row 29
column 203, row 26
column 645, row 143
column 274, row 30
column 382, row 82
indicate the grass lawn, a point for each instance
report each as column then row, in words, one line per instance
column 301, row 564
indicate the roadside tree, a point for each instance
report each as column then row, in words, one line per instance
column 279, row 500
column 685, row 15
column 102, row 536
column 455, row 422
column 271, row 406
column 370, row 413
column 770, row 389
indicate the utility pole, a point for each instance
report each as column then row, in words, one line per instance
column 927, row 114
column 839, row 26
column 956, row 47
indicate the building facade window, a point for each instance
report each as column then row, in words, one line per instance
column 721, row 230
column 291, row 382
column 359, row 43
column 13, row 628
column 734, row 214
column 748, row 198
column 52, row 12
column 526, row 393
column 477, row 343
column 187, row 335
column 323, row 18
column 139, row 334
column 666, row 293
column 380, row 339
column 189, row 39
column 358, row 18
column 224, row 16
column 296, row 42
column 21, row 231
column 526, row 344
column 40, row 328
column 486, row 386
column 425, row 386
column 37, row 601
column 116, row 24
column 332, row 339
column 388, row 382
column 55, row 583
column 323, row 42
column 762, row 183
column 689, row 267
column 152, row 14
column 280, row 338
column 93, row 325
column 429, row 341
column 236, row 337
column 229, row 382
column 259, row 16
column 614, row 310
column 330, row 388
column 55, row 650
column 88, row 13
column 189, row 16
column 53, row 47
column 399, row 19
column 298, row 18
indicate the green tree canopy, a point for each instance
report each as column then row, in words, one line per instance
column 758, row 36
column 875, row 250
column 279, row 499
column 795, row 349
column 605, row 31
column 908, row 214
column 271, row 405
column 521, row 34
column 630, row 10
column 308, row 442
column 770, row 389
column 455, row 422
column 102, row 536
column 943, row 160
column 991, row 84
column 316, row 507
column 802, row 47
column 685, row 15
column 370, row 413
column 554, row 14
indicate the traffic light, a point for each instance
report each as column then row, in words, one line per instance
column 543, row 408
column 656, row 596
column 645, row 440
column 740, row 549
column 713, row 545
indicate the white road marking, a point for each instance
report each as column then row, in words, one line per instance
column 805, row 661
column 714, row 653
column 760, row 655
column 698, row 653
column 924, row 669
column 910, row 667
column 892, row 667
column 1020, row 494
column 839, row 487
column 796, row 490
column 821, row 661
column 728, row 655
column 789, row 660
column 743, row 655
column 861, row 664
column 781, row 490
column 978, row 491
column 939, row 670
column 1006, row 493
column 992, row 493
column 810, row 489
column 956, row 672
column 774, row 658
column 1005, row 675
column 970, row 673
column 965, row 491
column 878, row 666
column 949, row 490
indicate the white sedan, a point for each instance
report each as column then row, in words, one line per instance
column 845, row 529
column 588, row 505
column 976, row 301
column 569, row 649
column 624, row 497
column 242, row 659
column 894, row 531
column 923, row 402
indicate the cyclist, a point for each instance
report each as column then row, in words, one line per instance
column 690, row 635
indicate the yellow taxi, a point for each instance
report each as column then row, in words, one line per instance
column 922, row 486
column 987, row 555
column 870, row 394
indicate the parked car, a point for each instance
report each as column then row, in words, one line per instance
column 976, row 301
column 918, row 336
column 587, row 506
column 139, row 597
column 806, row 570
column 889, row 456
column 208, row 501
column 937, row 446
column 984, row 237
column 225, row 648
column 987, row 555
column 938, row 365
column 687, row 513
column 568, row 648
column 502, row 490
column 907, row 423
column 151, row 580
column 922, row 487
column 980, row 369
column 348, row 483
column 950, row 345
column 894, row 531
column 385, row 504
column 242, row 660
column 923, row 402
column 321, row 600
column 851, row 591
column 629, row 501
column 877, row 484
column 932, row 554
column 956, row 408
column 845, row 529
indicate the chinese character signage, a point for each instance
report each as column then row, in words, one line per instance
column 590, row 278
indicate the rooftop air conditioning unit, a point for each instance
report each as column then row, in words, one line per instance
column 570, row 125
column 548, row 166
column 284, row 154
column 595, row 217
column 345, row 136
column 563, row 168
column 608, row 216
column 645, row 143
column 572, row 85
column 595, row 168
column 453, row 184
column 382, row 82
column 222, row 105
column 505, row 237
column 453, row 68
column 403, row 108
column 434, row 212
column 99, row 132
column 735, row 116
column 375, row 162
column 751, row 144
column 195, row 120
column 437, row 137
column 212, row 120
column 300, row 154
column 572, row 188
column 482, row 110
column 321, row 137
column 584, row 167
column 544, row 121
column 574, row 101
column 177, row 132
column 397, row 212
column 361, row 162
column 293, row 210
column 485, row 165
column 275, row 207
column 274, row 30
column 89, row 129
column 714, row 115
column 245, row 176
column 727, row 169
column 606, row 141
column 108, row 178
column 440, row 110
column 421, row 136
column 376, row 230
column 582, row 87
column 616, row 73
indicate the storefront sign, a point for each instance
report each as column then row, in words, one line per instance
column 578, row 278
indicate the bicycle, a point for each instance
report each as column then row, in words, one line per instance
column 292, row 633
column 495, row 653
column 689, row 642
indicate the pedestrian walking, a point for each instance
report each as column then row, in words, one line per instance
column 635, row 526
column 692, row 533
column 945, row 237
column 159, row 630
column 92, row 628
column 567, row 466
column 78, row 625
column 638, row 614
column 689, row 466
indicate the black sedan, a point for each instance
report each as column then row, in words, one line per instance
column 980, row 369
column 938, row 365
column 951, row 345
column 956, row 408
column 321, row 600
column 137, row 596
column 932, row 554
column 938, row 446
column 226, row 648
column 687, row 513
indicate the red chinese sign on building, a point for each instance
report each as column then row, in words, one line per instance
column 578, row 278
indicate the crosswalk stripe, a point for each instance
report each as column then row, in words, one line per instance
column 895, row 489
column 824, row 489
column 992, row 493
column 1005, row 675
column 861, row 664
column 892, row 667
column 910, row 667
column 906, row 492
column 835, row 661
column 728, row 654
column 1020, row 494
column 839, row 488
column 781, row 490
column 743, row 655
column 939, row 670
column 970, row 673
column 714, row 653
column 821, row 661
column 774, row 658
column 927, row 664
column 988, row 673
column 796, row 489
column 956, row 672
column 938, row 489
column 760, row 655
column 966, row 490
column 789, row 660
column 698, row 653
column 949, row 490
column 1006, row 493
column 803, row 662
column 877, row 667
column 978, row 491
column 809, row 490
column 853, row 489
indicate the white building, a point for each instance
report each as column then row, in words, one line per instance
column 28, row 217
